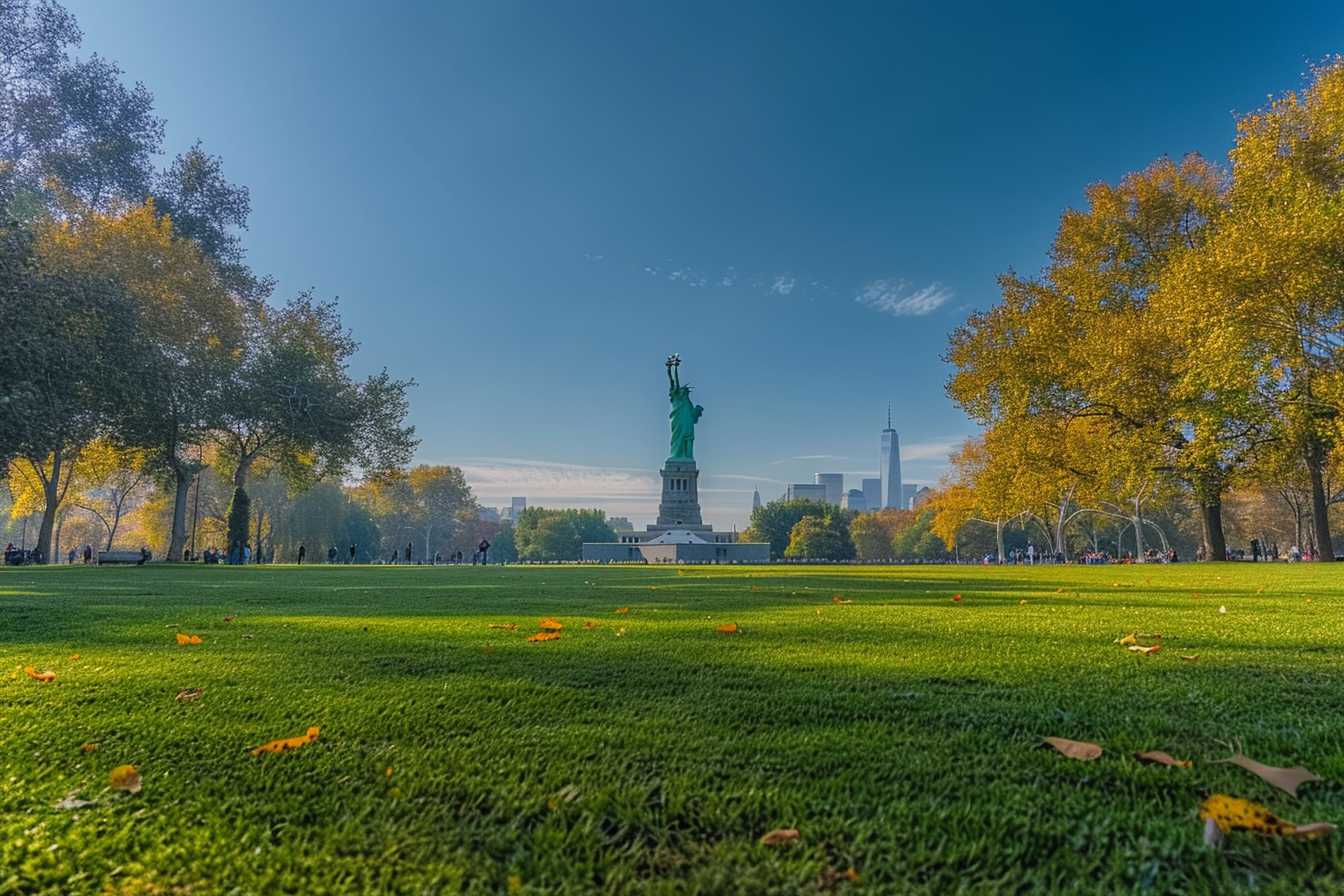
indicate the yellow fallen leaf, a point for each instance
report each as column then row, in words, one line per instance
column 389, row 773
column 186, row 695
column 184, row 638
column 1190, row 658
column 620, row 632
column 124, row 777
column 550, row 625
column 88, row 747
column 1139, row 648
column 780, row 835
column 1230, row 813
column 1074, row 749
column 287, row 743
column 74, row 657
column 1157, row 757
column 515, row 883
column 545, row 636
column 1130, row 638
column 39, row 676
column 1286, row 779
column 728, row 628
column 506, row 626
column 622, row 611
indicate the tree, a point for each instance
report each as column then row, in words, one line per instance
column 433, row 502
column 294, row 403
column 65, row 118
column 774, row 522
column 192, row 328
column 109, row 481
column 544, row 534
column 75, row 364
column 820, row 538
column 917, row 541
column 873, row 534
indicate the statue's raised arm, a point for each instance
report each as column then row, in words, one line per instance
column 683, row 415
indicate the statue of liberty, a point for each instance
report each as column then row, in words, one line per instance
column 683, row 414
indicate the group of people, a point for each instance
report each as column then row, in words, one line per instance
column 18, row 556
column 74, row 554
column 239, row 553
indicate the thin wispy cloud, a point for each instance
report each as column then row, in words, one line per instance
column 938, row 449
column 896, row 297
column 783, row 285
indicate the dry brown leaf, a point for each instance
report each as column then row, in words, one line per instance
column 287, row 743
column 124, row 777
column 780, row 835
column 39, row 676
column 622, row 611
column 88, row 747
column 728, row 628
column 1145, row 650
column 1158, row 757
column 506, row 626
column 1230, row 813
column 1074, row 749
column 74, row 657
column 550, row 624
column 545, row 636
column 184, row 638
column 590, row 624
column 186, row 695
column 230, row 618
column 841, row 599
column 1286, row 779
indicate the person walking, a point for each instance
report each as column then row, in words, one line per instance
column 302, row 552
column 408, row 551
column 484, row 548
column 352, row 553
column 88, row 554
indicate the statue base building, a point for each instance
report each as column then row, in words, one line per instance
column 680, row 535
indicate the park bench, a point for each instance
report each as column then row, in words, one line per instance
column 135, row 557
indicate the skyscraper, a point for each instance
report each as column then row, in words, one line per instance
column 834, row 484
column 755, row 499
column 891, row 465
column 872, row 493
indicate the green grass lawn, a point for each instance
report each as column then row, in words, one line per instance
column 649, row 753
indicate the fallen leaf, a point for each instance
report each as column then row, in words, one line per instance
column 389, row 773
column 841, row 599
column 88, row 747
column 71, row 801
column 287, row 743
column 515, row 883
column 1139, row 648
column 230, row 618
column 1074, row 749
column 728, row 628
column 1059, row 590
column 1230, row 813
column 956, row 598
column 248, row 637
column 74, row 657
column 780, row 835
column 550, row 625
column 506, row 626
column 1190, row 658
column 1130, row 638
column 1157, row 757
column 1021, row 603
column 186, row 695
column 124, row 777
column 590, row 624
column 567, row 794
column 1222, row 609
column 39, row 676
column 545, row 636
column 184, row 638
column 620, row 632
column 1286, row 779
column 833, row 877
column 622, row 611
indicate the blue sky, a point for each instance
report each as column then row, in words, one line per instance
column 526, row 207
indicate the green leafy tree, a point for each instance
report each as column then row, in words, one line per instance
column 820, row 538
column 917, row 541
column 544, row 534
column 774, row 522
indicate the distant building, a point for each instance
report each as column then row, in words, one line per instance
column 854, row 499
column 805, row 491
column 921, row 495
column 489, row 514
column 891, row 465
column 908, row 490
column 872, row 493
column 834, row 484
column 620, row 523
column 755, row 500
column 517, row 506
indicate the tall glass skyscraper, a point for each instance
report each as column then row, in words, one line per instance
column 891, row 465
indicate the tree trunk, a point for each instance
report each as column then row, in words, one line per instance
column 1320, row 515
column 1211, row 514
column 177, row 537
column 1138, row 530
column 51, row 501
column 998, row 540
column 56, row 539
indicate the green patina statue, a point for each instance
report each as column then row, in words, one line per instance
column 683, row 414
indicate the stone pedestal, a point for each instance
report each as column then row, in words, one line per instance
column 680, row 505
